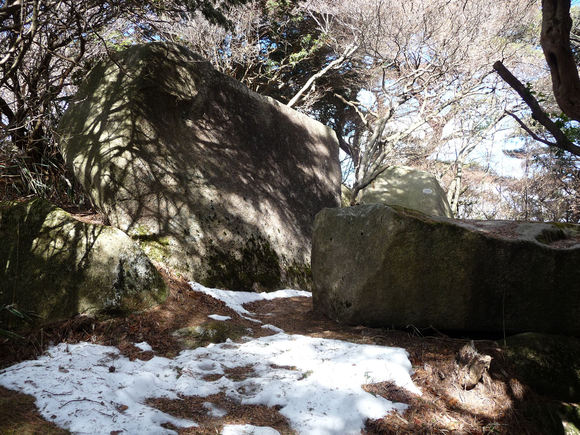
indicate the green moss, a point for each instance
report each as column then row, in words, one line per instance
column 30, row 232
column 571, row 230
column 551, row 235
column 139, row 231
column 255, row 267
column 55, row 266
column 156, row 248
column 212, row 331
column 298, row 275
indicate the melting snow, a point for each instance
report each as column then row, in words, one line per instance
column 236, row 300
column 218, row 317
column 247, row 429
column 314, row 382
column 76, row 388
column 213, row 410
column 145, row 347
column 272, row 327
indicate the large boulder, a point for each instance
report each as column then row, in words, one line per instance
column 216, row 182
column 391, row 267
column 55, row 266
column 408, row 187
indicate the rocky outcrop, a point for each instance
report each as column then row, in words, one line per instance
column 410, row 188
column 215, row 181
column 392, row 267
column 54, row 266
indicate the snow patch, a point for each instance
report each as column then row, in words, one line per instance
column 236, row 300
column 87, row 386
column 144, row 346
column 315, row 382
column 248, row 429
column 272, row 327
column 218, row 317
column 213, row 410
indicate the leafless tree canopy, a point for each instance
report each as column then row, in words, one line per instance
column 46, row 48
column 400, row 82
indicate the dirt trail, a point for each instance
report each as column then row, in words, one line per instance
column 498, row 404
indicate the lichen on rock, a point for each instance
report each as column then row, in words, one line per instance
column 54, row 266
column 200, row 170
column 391, row 267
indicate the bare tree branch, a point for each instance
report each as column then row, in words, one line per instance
column 336, row 63
column 538, row 113
column 528, row 130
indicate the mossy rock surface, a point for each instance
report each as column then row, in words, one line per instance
column 54, row 266
column 255, row 266
column 216, row 182
column 410, row 188
column 385, row 266
column 548, row 363
column 211, row 331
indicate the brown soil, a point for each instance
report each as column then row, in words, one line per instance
column 498, row 404
column 192, row 408
column 18, row 415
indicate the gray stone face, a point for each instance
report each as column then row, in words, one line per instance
column 410, row 188
column 215, row 181
column 55, row 266
column 392, row 267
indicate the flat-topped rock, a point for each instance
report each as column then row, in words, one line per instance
column 393, row 267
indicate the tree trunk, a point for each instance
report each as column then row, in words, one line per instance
column 454, row 191
column 555, row 40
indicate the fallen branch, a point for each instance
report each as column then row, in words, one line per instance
column 84, row 399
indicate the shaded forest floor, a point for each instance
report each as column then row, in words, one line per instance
column 500, row 403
